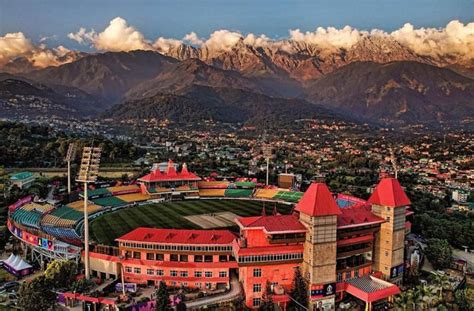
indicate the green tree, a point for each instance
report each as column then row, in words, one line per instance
column 267, row 299
column 403, row 301
column 162, row 298
column 61, row 273
column 299, row 291
column 439, row 253
column 36, row 295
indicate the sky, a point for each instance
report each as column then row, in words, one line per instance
column 53, row 20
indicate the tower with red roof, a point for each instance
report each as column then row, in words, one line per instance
column 390, row 202
column 318, row 213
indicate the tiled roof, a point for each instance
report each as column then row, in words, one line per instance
column 179, row 236
column 170, row 174
column 389, row 193
column 369, row 288
column 357, row 216
column 318, row 201
column 274, row 223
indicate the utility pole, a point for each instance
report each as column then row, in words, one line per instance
column 88, row 174
column 394, row 163
column 70, row 155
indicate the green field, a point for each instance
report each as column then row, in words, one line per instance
column 106, row 228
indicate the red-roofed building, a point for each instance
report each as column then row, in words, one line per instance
column 389, row 193
column 189, row 258
column 318, row 201
column 171, row 183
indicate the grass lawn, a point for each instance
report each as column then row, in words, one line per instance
column 106, row 228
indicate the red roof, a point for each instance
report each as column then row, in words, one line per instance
column 370, row 289
column 355, row 240
column 179, row 236
column 170, row 174
column 318, row 201
column 273, row 224
column 389, row 193
column 357, row 215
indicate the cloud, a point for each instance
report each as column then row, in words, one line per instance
column 118, row 36
column 223, row 39
column 329, row 37
column 258, row 41
column 455, row 39
column 15, row 45
column 193, row 39
column 163, row 45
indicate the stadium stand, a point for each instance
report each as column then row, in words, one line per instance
column 133, row 197
column 110, row 201
column 244, row 184
column 266, row 193
column 213, row 184
column 67, row 212
column 27, row 218
column 238, row 193
column 212, row 192
column 42, row 208
column 51, row 220
column 288, row 196
column 120, row 190
column 97, row 193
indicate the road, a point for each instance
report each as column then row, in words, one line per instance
column 235, row 291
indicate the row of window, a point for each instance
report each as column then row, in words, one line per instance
column 270, row 257
column 178, row 247
column 348, row 275
column 175, row 273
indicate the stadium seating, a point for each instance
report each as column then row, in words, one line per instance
column 266, row 193
column 42, row 208
column 244, row 184
column 124, row 189
column 133, row 197
column 213, row 184
column 289, row 196
column 61, row 233
column 66, row 212
column 212, row 192
column 97, row 193
column 51, row 220
column 110, row 201
column 238, row 193
column 344, row 203
column 27, row 218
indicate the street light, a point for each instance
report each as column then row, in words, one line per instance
column 70, row 155
column 87, row 174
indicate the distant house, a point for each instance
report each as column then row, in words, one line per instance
column 22, row 179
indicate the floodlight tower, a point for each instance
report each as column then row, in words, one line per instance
column 70, row 155
column 393, row 160
column 88, row 173
column 267, row 153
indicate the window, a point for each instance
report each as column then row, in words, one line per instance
column 222, row 258
column 183, row 258
column 160, row 272
column 198, row 274
column 150, row 271
column 208, row 258
column 174, row 273
column 348, row 275
column 137, row 270
column 160, row 257
column 256, row 302
column 257, row 273
column 198, row 285
column 136, row 255
column 257, row 288
column 222, row 274
column 150, row 256
column 356, row 273
column 128, row 269
column 208, row 274
column 183, row 274
column 197, row 258
column 339, row 277
column 174, row 257
column 386, row 254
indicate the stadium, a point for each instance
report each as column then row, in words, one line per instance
column 176, row 227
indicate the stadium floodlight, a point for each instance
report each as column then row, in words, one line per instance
column 88, row 173
column 70, row 155
column 267, row 153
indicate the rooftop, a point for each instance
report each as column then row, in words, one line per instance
column 273, row 224
column 179, row 236
column 170, row 174
column 390, row 193
column 21, row 176
column 318, row 201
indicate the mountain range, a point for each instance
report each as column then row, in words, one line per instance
column 376, row 80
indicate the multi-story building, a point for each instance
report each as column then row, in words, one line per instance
column 341, row 244
column 189, row 258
